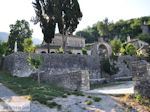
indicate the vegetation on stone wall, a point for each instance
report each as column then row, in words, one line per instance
column 107, row 67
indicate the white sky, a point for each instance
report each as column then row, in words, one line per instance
column 93, row 11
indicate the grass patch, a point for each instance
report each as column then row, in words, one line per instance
column 89, row 96
column 97, row 99
column 53, row 105
column 88, row 102
column 27, row 86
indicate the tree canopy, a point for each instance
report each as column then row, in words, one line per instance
column 3, row 48
column 18, row 32
column 120, row 29
column 116, row 45
column 65, row 13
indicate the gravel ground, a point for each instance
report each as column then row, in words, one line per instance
column 70, row 104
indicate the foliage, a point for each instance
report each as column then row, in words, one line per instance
column 97, row 99
column 28, row 45
column 3, row 48
column 138, row 98
column 84, row 51
column 120, row 29
column 130, row 49
column 53, row 104
column 60, row 50
column 103, row 27
column 18, row 32
column 88, row 102
column 107, row 67
column 116, row 45
column 90, row 34
column 28, row 86
column 144, row 37
column 65, row 13
column 35, row 62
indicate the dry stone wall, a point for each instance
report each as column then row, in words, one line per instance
column 78, row 80
column 141, row 74
column 53, row 64
column 66, row 70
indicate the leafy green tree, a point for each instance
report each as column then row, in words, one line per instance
column 36, row 62
column 103, row 27
column 28, row 45
column 18, row 32
column 116, row 45
column 90, row 34
column 3, row 48
column 65, row 13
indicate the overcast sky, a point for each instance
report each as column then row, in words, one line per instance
column 93, row 11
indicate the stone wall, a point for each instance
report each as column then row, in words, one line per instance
column 141, row 74
column 123, row 63
column 53, row 64
column 78, row 80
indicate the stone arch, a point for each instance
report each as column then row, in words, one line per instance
column 104, row 49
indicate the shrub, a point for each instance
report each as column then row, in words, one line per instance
column 108, row 68
column 53, row 104
column 88, row 102
column 35, row 62
column 97, row 99
column 84, row 51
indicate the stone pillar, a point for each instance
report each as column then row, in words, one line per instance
column 85, row 80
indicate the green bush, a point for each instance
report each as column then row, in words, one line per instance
column 97, row 99
column 35, row 62
column 138, row 97
column 84, row 51
column 88, row 102
column 108, row 68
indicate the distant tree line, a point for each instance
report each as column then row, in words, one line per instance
column 120, row 29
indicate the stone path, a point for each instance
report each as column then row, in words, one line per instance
column 70, row 104
column 126, row 88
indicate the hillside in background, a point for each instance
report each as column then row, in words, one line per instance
column 4, row 36
column 120, row 29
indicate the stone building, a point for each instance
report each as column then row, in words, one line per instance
column 74, row 44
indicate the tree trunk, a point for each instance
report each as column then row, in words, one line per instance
column 64, row 39
column 48, row 47
column 38, row 77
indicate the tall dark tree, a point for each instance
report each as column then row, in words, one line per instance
column 65, row 13
column 18, row 32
